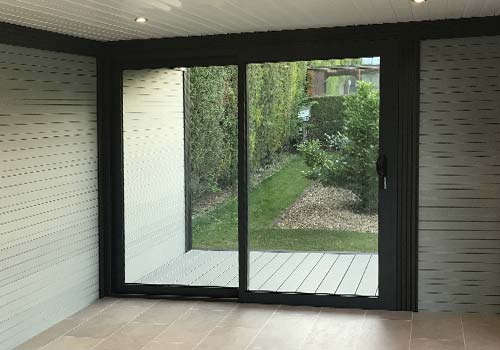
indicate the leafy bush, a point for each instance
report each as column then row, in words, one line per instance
column 352, row 166
column 213, row 127
column 327, row 117
column 275, row 93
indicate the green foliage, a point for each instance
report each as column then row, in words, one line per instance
column 218, row 229
column 353, row 165
column 314, row 157
column 327, row 117
column 275, row 93
column 332, row 63
column 214, row 140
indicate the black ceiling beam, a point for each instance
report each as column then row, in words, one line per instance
column 13, row 34
column 229, row 44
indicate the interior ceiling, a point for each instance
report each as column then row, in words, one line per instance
column 107, row 20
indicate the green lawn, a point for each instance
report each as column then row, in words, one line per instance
column 218, row 228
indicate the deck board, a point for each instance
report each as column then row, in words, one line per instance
column 353, row 276
column 280, row 276
column 334, row 277
column 369, row 282
column 316, row 276
column 296, row 278
column 302, row 272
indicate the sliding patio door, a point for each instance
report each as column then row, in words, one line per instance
column 271, row 182
column 180, row 145
column 321, row 182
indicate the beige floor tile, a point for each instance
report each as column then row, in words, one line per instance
column 378, row 334
column 186, row 325
column 92, row 310
column 215, row 305
column 228, row 338
column 249, row 315
column 165, row 312
column 482, row 332
column 136, row 302
column 335, row 327
column 389, row 315
column 437, row 325
column 72, row 343
column 107, row 322
column 286, row 329
column 433, row 344
column 192, row 327
column 133, row 336
column 50, row 334
column 168, row 346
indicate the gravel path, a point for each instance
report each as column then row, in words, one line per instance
column 322, row 207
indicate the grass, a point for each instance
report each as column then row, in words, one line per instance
column 218, row 228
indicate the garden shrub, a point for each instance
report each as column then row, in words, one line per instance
column 327, row 117
column 275, row 93
column 353, row 165
column 213, row 127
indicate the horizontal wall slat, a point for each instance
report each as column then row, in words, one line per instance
column 48, row 190
column 459, row 175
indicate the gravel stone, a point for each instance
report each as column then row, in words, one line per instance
column 321, row 207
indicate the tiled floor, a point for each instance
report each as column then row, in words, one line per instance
column 135, row 324
column 304, row 272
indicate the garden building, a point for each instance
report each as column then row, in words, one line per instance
column 233, row 174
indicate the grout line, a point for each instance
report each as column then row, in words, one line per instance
column 124, row 325
column 311, row 330
column 463, row 331
column 166, row 328
column 78, row 325
column 213, row 329
column 411, row 331
column 262, row 328
column 356, row 340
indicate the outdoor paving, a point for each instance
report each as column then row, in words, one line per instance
column 301, row 272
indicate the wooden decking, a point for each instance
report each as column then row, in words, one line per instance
column 303, row 272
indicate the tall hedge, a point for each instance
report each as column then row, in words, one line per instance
column 214, row 131
column 327, row 117
column 275, row 92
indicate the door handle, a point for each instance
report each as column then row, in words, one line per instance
column 382, row 171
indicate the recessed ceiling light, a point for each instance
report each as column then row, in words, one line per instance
column 141, row 20
column 419, row 1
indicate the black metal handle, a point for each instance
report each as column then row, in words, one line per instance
column 382, row 171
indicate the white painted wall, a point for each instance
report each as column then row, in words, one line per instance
column 48, row 190
column 459, row 195
column 153, row 157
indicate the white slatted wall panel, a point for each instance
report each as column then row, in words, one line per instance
column 459, row 199
column 153, row 156
column 48, row 190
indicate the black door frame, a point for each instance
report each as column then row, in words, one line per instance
column 118, row 285
column 388, row 278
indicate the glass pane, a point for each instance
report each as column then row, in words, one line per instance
column 314, row 132
column 180, row 176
